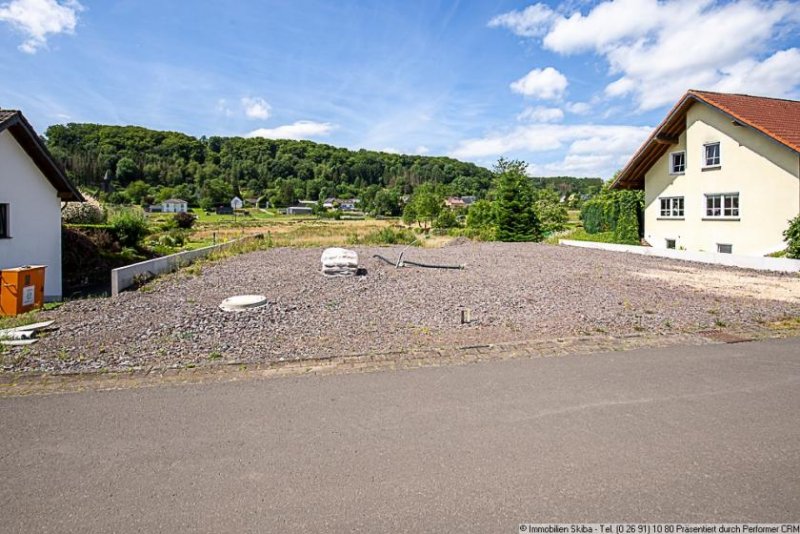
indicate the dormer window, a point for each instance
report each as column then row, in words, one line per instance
column 677, row 163
column 711, row 155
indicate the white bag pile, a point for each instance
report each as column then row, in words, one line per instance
column 339, row 262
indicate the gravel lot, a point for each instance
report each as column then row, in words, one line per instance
column 514, row 292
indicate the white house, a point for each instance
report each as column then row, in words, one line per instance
column 721, row 173
column 32, row 187
column 236, row 203
column 174, row 205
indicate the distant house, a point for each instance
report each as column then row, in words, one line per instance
column 236, row 203
column 468, row 200
column 330, row 203
column 350, row 204
column 32, row 188
column 174, row 205
column 299, row 210
column 721, row 173
column 454, row 202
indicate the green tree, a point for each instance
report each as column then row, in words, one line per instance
column 551, row 212
column 386, row 202
column 480, row 215
column 409, row 214
column 446, row 219
column 514, row 214
column 427, row 202
column 126, row 170
column 216, row 192
column 792, row 238
column 138, row 192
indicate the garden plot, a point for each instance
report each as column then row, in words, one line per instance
column 511, row 291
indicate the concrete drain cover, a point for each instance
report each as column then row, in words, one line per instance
column 243, row 302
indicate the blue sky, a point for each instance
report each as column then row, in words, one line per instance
column 571, row 87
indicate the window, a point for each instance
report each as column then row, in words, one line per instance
column 724, row 249
column 711, row 155
column 671, row 206
column 4, row 230
column 724, row 205
column 671, row 243
column 677, row 163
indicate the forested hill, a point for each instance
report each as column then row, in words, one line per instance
column 145, row 165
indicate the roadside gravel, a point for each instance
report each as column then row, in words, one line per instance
column 513, row 291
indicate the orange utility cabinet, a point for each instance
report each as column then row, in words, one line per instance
column 21, row 289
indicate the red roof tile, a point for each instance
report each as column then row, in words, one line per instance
column 777, row 118
column 773, row 117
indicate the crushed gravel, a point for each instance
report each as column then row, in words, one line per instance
column 514, row 292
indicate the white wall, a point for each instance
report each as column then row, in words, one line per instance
column 765, row 174
column 34, row 218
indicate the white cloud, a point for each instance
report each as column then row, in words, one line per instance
column 546, row 84
column 590, row 149
column 607, row 23
column 541, row 114
column 656, row 50
column 36, row 19
column 533, row 21
column 389, row 150
column 256, row 108
column 775, row 76
column 296, row 130
column 578, row 108
column 422, row 150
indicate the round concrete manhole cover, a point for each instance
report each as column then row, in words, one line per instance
column 243, row 302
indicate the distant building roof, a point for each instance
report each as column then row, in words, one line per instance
column 23, row 132
column 174, row 201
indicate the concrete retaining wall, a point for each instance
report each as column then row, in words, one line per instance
column 783, row 265
column 125, row 277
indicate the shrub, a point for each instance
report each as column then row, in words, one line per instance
column 614, row 211
column 627, row 228
column 89, row 212
column 792, row 237
column 446, row 219
column 552, row 214
column 184, row 220
column 480, row 215
column 385, row 236
column 130, row 226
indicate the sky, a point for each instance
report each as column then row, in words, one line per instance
column 571, row 87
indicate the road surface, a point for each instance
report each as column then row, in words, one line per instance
column 683, row 434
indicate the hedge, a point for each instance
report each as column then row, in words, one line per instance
column 614, row 211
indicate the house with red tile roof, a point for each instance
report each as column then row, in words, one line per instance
column 721, row 173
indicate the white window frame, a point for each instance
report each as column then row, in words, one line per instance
column 672, row 169
column 720, row 245
column 735, row 212
column 674, row 210
column 5, row 224
column 706, row 164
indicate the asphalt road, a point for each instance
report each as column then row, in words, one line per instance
column 685, row 434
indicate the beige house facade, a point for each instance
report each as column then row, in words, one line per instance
column 720, row 174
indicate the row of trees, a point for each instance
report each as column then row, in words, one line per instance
column 134, row 165
column 513, row 210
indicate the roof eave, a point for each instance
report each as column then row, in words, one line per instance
column 632, row 175
column 26, row 136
